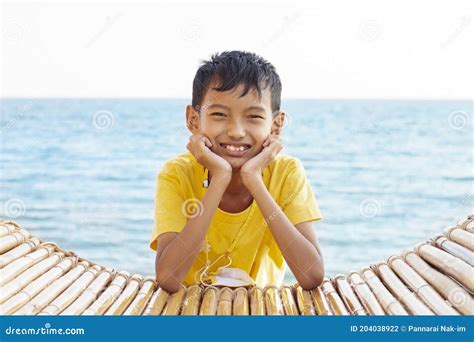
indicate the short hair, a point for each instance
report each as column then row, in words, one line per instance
column 233, row 68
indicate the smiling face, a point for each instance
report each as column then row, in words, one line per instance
column 236, row 126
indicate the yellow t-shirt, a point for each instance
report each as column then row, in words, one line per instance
column 254, row 250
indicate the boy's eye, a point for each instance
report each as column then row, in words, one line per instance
column 218, row 114
column 256, row 116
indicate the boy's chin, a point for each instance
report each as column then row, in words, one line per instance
column 236, row 162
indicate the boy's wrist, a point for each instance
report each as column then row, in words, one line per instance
column 221, row 179
column 251, row 181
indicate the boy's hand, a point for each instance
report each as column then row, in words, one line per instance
column 200, row 146
column 252, row 168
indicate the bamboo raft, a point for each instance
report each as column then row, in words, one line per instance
column 434, row 278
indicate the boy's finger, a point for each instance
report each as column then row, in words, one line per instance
column 208, row 142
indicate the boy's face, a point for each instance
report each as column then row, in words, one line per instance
column 237, row 126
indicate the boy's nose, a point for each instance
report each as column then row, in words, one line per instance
column 236, row 131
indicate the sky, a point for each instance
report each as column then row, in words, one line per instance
column 321, row 49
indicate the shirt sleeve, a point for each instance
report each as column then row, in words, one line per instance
column 168, row 205
column 297, row 198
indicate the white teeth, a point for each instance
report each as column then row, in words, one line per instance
column 235, row 148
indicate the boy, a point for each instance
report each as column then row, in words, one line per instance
column 231, row 211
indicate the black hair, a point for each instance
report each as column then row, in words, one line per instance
column 232, row 68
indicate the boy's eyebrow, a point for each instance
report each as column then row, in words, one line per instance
column 218, row 105
column 227, row 108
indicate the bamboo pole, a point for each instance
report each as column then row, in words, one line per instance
column 72, row 292
column 141, row 299
column 418, row 285
column 157, row 303
column 126, row 296
column 241, row 302
column 461, row 236
column 47, row 295
column 26, row 247
column 304, row 300
column 15, row 268
column 209, row 301
column 289, row 305
column 257, row 305
column 7, row 228
column 367, row 298
column 449, row 264
column 456, row 295
column 335, row 301
column 348, row 296
column 412, row 303
column 321, row 304
column 109, row 296
column 173, row 305
column 90, row 294
column 389, row 303
column 273, row 303
column 455, row 249
column 29, row 275
column 12, row 240
column 32, row 289
column 226, row 297
column 192, row 301
column 467, row 224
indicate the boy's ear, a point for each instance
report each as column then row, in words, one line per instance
column 192, row 119
column 278, row 122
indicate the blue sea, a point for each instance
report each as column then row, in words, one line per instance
column 386, row 174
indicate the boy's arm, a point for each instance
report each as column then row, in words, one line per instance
column 178, row 256
column 298, row 243
column 174, row 260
